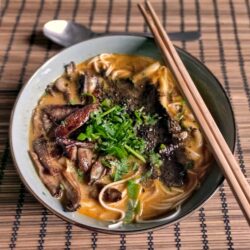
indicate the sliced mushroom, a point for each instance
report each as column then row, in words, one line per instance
column 70, row 143
column 84, row 157
column 50, row 181
column 42, row 148
column 71, row 153
column 71, row 193
column 87, row 84
column 57, row 113
column 97, row 172
column 112, row 195
column 60, row 85
column 37, row 122
column 47, row 123
column 95, row 190
column 70, row 69
column 75, row 120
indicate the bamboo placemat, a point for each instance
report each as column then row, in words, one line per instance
column 224, row 47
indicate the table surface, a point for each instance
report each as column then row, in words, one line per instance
column 224, row 47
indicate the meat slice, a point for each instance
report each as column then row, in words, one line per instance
column 75, row 120
column 44, row 150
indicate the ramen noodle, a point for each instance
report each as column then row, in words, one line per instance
column 114, row 139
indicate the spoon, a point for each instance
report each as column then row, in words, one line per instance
column 67, row 33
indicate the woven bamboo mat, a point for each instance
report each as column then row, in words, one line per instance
column 224, row 47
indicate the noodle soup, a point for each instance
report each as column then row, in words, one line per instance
column 113, row 139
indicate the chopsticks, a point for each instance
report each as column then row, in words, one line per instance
column 214, row 138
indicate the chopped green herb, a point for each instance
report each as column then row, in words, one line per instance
column 89, row 95
column 106, row 163
column 133, row 189
column 135, row 167
column 108, row 111
column 163, row 146
column 129, row 216
column 62, row 186
column 143, row 118
column 72, row 102
column 138, row 207
column 146, row 175
column 155, row 159
column 133, row 205
column 189, row 164
column 63, row 123
column 121, row 168
column 136, row 154
column 106, row 103
column 114, row 130
column 80, row 175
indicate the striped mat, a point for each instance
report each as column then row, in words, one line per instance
column 224, row 47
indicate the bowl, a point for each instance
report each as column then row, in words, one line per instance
column 209, row 87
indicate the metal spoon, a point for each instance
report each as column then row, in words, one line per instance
column 67, row 33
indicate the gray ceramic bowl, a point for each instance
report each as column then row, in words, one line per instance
column 209, row 87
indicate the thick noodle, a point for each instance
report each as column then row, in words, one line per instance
column 156, row 199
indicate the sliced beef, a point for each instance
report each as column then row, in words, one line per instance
column 75, row 120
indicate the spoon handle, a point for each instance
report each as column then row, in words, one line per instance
column 175, row 36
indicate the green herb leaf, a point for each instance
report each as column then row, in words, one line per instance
column 155, row 159
column 129, row 216
column 189, row 165
column 80, row 175
column 133, row 189
column 122, row 168
column 146, row 175
column 91, row 96
column 136, row 154
column 106, row 103
column 133, row 205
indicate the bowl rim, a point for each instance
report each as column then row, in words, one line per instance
column 112, row 231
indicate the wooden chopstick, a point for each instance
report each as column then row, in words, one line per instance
column 200, row 103
column 219, row 147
